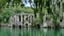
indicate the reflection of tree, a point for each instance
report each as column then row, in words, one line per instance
column 57, row 32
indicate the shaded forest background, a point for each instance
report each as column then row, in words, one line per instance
column 50, row 8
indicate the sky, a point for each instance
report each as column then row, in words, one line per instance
column 27, row 4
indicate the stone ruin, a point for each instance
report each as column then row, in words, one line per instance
column 23, row 19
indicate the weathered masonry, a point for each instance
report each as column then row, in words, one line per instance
column 23, row 19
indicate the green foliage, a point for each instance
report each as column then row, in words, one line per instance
column 17, row 2
column 24, row 9
column 39, row 6
column 36, row 21
column 2, row 3
column 5, row 15
column 7, row 12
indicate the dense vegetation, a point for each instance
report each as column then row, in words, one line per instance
column 39, row 8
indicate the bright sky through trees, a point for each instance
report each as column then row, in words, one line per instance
column 27, row 4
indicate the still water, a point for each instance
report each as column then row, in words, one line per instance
column 6, row 31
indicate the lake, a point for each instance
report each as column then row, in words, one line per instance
column 7, row 31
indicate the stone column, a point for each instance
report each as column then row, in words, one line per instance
column 22, row 19
column 29, row 19
column 32, row 18
column 19, row 18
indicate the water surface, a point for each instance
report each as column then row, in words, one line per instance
column 6, row 31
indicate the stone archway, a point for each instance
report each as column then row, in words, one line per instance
column 26, row 24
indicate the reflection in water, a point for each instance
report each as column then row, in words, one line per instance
column 45, row 30
column 20, row 32
column 5, row 31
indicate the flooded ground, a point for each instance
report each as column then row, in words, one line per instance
column 6, row 31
